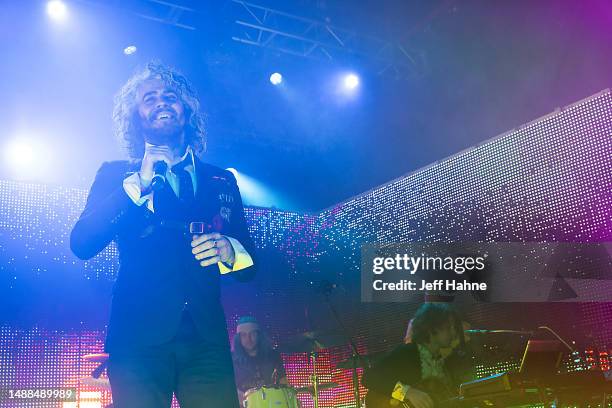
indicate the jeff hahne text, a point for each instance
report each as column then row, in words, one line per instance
column 415, row 264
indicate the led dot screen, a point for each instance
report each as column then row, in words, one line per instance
column 549, row 180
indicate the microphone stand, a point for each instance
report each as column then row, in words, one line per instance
column 355, row 356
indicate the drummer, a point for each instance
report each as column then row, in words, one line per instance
column 256, row 363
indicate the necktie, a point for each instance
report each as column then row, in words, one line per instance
column 186, row 187
column 186, row 193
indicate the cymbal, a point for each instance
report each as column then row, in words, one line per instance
column 362, row 361
column 310, row 389
column 311, row 341
column 96, row 357
column 99, row 383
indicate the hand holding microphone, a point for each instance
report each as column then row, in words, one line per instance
column 154, row 165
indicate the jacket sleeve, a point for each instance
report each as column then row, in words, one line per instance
column 401, row 364
column 107, row 203
column 378, row 378
column 240, row 231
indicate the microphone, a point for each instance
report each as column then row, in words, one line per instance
column 159, row 177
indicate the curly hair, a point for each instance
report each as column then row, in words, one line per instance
column 431, row 317
column 125, row 111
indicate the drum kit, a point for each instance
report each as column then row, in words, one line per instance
column 271, row 395
column 312, row 342
column 274, row 396
column 280, row 396
column 284, row 396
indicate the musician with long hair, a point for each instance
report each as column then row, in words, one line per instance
column 256, row 362
column 416, row 372
column 179, row 226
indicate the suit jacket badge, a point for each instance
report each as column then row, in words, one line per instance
column 226, row 198
column 225, row 213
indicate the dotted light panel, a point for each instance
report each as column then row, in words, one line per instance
column 549, row 180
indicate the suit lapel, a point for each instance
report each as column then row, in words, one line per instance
column 205, row 191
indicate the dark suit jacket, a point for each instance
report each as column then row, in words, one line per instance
column 158, row 275
column 402, row 364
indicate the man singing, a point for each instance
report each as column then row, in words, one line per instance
column 179, row 225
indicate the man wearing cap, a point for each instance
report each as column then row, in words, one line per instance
column 256, row 363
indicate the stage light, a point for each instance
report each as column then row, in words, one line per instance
column 56, row 9
column 20, row 154
column 28, row 158
column 255, row 192
column 130, row 50
column 276, row 78
column 351, row 81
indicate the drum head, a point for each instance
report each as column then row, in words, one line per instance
column 271, row 397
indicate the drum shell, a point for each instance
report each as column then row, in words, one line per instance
column 271, row 397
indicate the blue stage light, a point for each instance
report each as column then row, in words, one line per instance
column 57, row 10
column 20, row 154
column 276, row 78
column 129, row 50
column 351, row 81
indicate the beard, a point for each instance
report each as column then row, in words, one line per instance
column 164, row 134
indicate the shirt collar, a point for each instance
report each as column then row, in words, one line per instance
column 188, row 158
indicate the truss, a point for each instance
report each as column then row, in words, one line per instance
column 287, row 33
column 171, row 13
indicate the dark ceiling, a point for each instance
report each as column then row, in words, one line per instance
column 485, row 67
